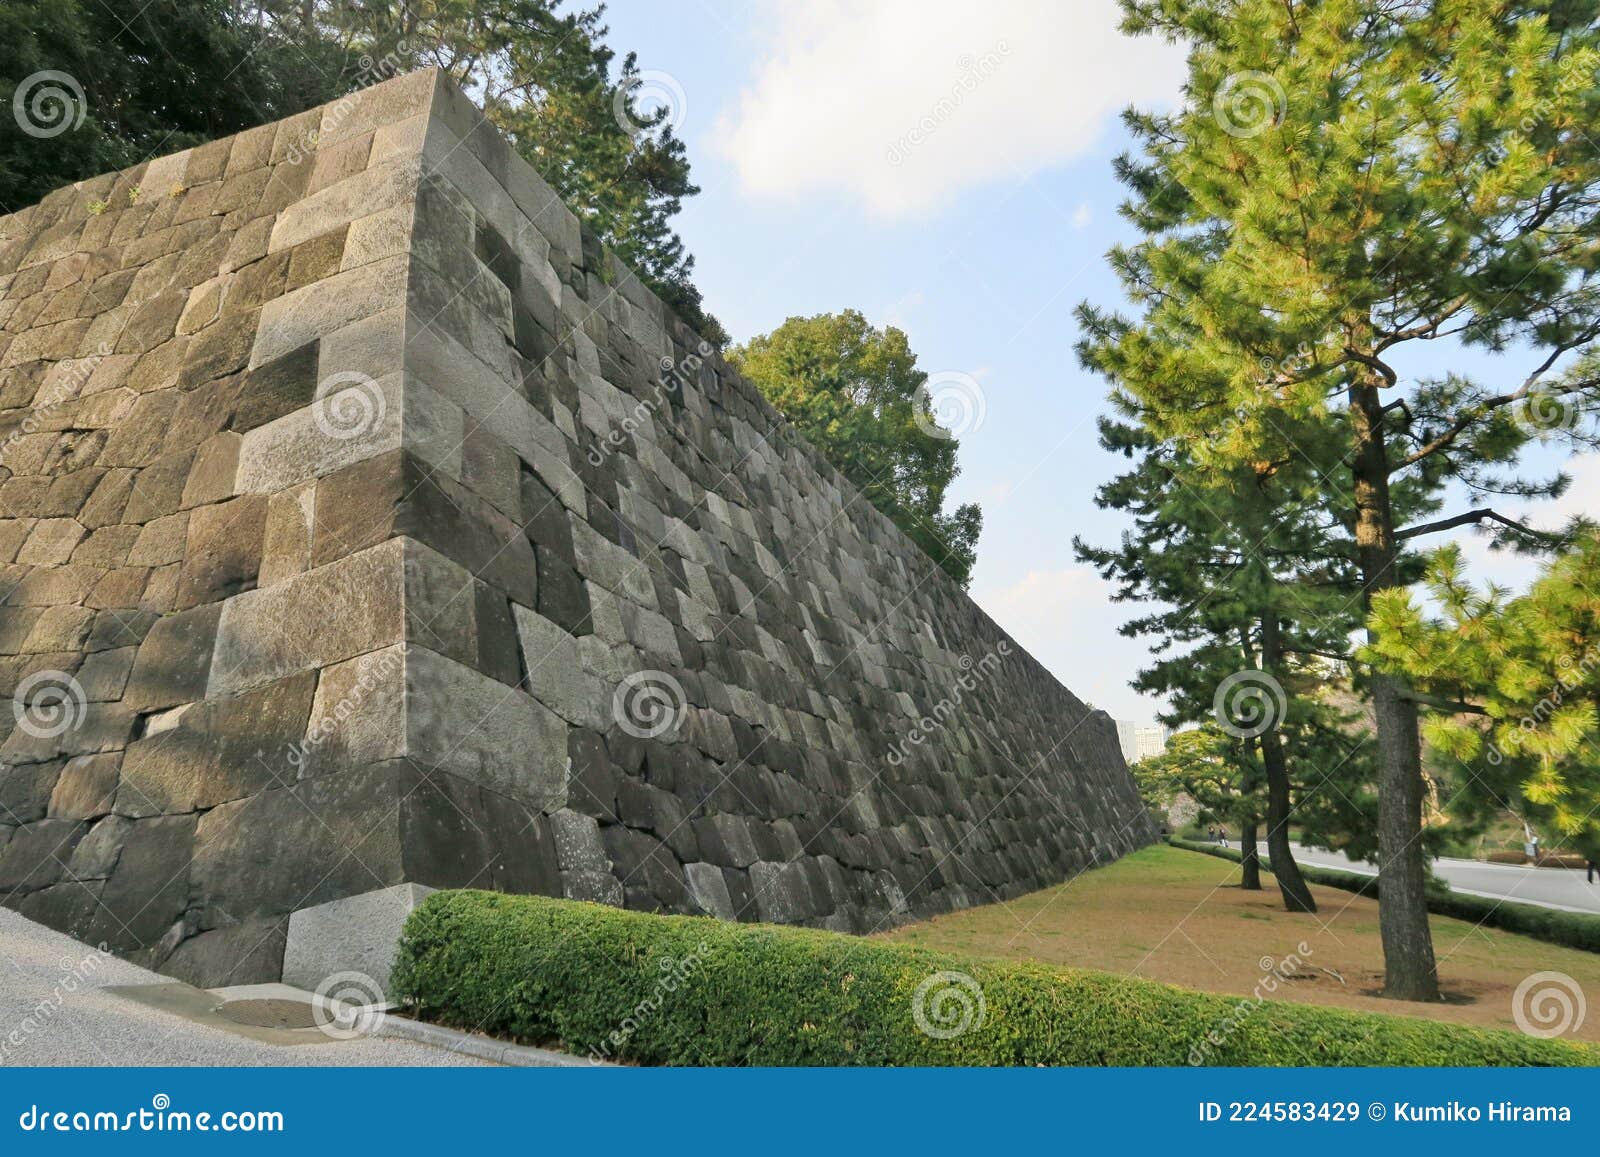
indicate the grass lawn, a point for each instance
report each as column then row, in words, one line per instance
column 1178, row 916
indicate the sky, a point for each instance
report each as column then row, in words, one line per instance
column 945, row 167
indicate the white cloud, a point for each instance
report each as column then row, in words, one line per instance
column 1065, row 619
column 903, row 103
column 1082, row 215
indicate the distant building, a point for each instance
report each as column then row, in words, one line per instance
column 1141, row 741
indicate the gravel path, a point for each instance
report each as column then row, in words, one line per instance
column 54, row 1011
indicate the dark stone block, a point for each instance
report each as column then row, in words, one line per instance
column 544, row 519
column 276, row 388
column 742, row 895
column 72, row 907
column 149, row 889
column 295, row 847
column 247, row 953
column 25, row 791
column 394, row 494
column 37, row 854
column 174, row 660
column 563, row 599
column 219, row 750
column 593, row 779
column 498, row 654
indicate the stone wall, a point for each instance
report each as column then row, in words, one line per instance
column 365, row 524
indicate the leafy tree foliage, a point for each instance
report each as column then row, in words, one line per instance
column 154, row 78
column 855, row 392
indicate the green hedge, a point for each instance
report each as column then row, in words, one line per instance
column 1569, row 929
column 617, row 985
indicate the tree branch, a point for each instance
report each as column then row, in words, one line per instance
column 1454, row 706
column 1475, row 516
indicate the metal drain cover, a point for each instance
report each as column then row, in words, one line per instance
column 269, row 1013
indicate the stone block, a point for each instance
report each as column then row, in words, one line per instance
column 352, row 419
column 219, row 750
column 51, row 542
column 87, row 786
column 353, row 934
column 250, row 952
column 594, row 887
column 316, row 619
column 295, row 847
column 555, row 675
column 37, row 854
column 173, row 663
column 709, row 890
column 149, row 889
column 466, row 724
column 578, row 846
column 222, row 555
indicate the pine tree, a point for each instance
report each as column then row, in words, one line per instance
column 1256, row 596
column 1344, row 181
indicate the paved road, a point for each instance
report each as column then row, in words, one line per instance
column 54, row 1010
column 1552, row 887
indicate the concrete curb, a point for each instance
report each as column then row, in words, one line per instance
column 483, row 1047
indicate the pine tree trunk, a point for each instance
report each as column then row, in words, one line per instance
column 1410, row 971
column 1249, row 859
column 1296, row 894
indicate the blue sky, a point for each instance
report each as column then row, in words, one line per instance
column 943, row 167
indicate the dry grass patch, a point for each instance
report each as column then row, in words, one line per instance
column 1167, row 914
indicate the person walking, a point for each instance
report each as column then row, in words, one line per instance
column 1593, row 868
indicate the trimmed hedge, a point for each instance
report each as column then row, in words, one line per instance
column 683, row 990
column 1569, row 929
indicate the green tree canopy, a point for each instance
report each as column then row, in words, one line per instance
column 106, row 86
column 855, row 392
